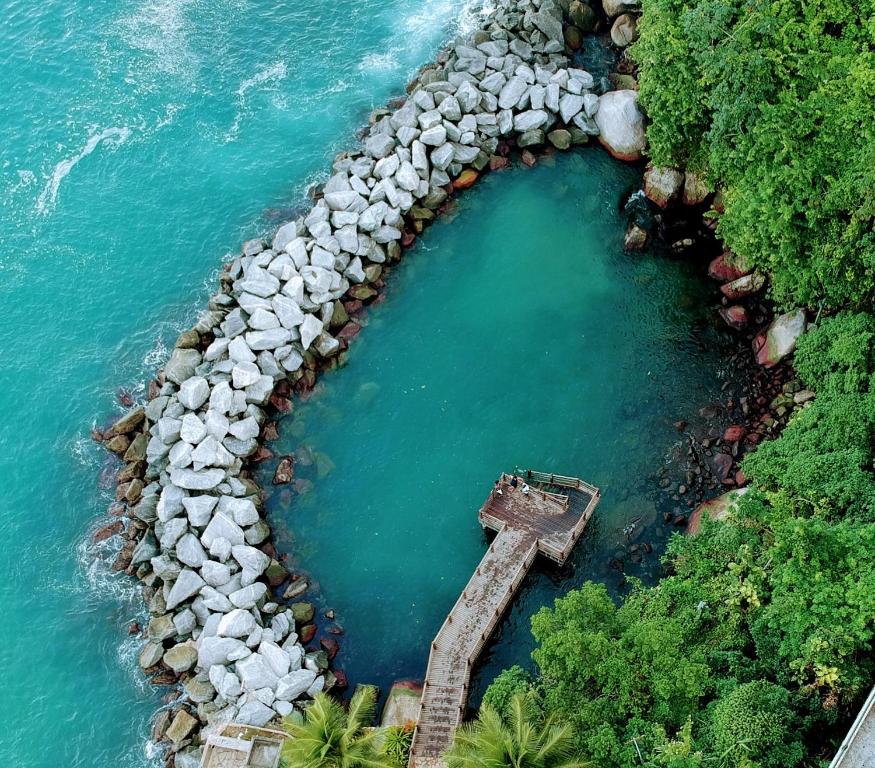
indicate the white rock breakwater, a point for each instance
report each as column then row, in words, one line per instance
column 201, row 545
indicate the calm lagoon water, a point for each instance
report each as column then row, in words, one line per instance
column 517, row 333
column 144, row 140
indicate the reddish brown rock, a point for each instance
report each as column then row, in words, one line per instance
column 353, row 307
column 497, row 163
column 735, row 317
column 349, row 331
column 528, row 159
column 282, row 404
column 116, row 509
column 340, row 680
column 262, row 454
column 164, row 678
column 107, row 531
column 466, row 179
column 722, row 466
column 307, row 633
column 124, row 557
column 734, row 433
column 716, row 509
column 270, row 431
column 727, row 267
column 285, row 471
column 330, row 645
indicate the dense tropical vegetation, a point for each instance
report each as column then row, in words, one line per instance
column 774, row 100
column 757, row 647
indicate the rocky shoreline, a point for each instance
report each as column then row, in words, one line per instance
column 221, row 622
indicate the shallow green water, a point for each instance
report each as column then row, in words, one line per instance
column 517, row 335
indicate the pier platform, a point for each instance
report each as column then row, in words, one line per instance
column 544, row 513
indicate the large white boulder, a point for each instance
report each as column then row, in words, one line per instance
column 621, row 125
column 217, row 650
column 294, row 684
column 236, row 623
column 254, row 673
column 187, row 585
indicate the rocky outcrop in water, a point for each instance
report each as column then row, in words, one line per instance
column 286, row 309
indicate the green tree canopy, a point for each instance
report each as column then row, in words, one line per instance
column 775, row 101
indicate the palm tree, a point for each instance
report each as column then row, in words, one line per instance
column 525, row 740
column 329, row 737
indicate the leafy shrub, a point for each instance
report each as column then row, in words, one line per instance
column 397, row 740
column 838, row 356
column 508, row 684
column 754, row 722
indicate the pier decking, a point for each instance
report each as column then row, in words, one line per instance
column 548, row 515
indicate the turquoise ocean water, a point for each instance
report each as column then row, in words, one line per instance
column 144, row 140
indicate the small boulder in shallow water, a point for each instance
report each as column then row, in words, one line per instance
column 128, row 423
column 635, row 238
column 303, row 612
column 560, row 138
column 181, row 727
column 181, row 365
column 285, row 471
column 466, row 179
column 662, row 184
column 736, row 317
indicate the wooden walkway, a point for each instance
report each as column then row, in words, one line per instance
column 545, row 513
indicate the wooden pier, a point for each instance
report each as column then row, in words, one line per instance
column 544, row 513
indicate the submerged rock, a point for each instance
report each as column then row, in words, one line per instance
column 635, row 238
column 736, row 317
